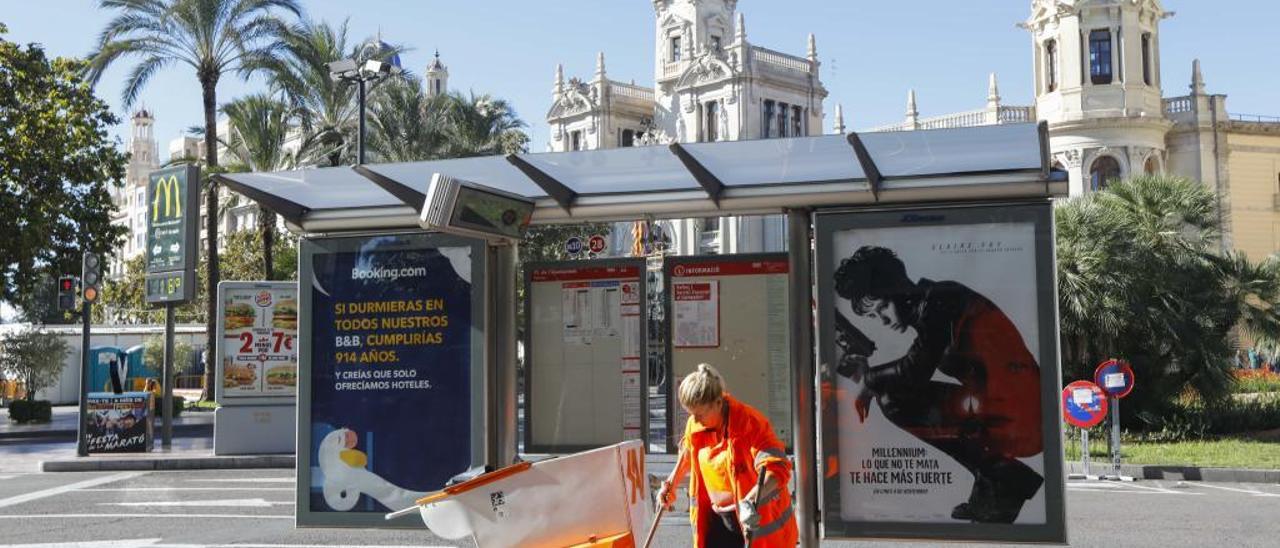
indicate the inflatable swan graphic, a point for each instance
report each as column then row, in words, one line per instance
column 345, row 476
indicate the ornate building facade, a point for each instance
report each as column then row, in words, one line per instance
column 710, row 84
column 1097, row 82
column 130, row 199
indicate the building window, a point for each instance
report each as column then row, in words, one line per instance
column 675, row 49
column 711, row 224
column 1150, row 167
column 1051, row 65
column 1100, row 56
column 715, row 43
column 768, row 120
column 575, row 140
column 627, row 139
column 797, row 121
column 1146, row 58
column 782, row 119
column 437, row 82
column 711, row 121
column 1104, row 170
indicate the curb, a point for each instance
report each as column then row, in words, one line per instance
column 92, row 464
column 1183, row 472
column 184, row 430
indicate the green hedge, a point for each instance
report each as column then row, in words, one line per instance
column 1197, row 420
column 23, row 411
column 179, row 403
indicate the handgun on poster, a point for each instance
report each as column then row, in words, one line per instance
column 855, row 348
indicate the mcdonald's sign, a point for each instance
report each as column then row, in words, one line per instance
column 173, row 208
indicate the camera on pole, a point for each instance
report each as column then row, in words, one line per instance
column 91, row 278
column 67, row 293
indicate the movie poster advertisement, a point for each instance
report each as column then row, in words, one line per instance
column 938, row 339
column 259, row 326
column 118, row 423
column 391, row 351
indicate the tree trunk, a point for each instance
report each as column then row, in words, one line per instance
column 209, row 87
column 267, row 224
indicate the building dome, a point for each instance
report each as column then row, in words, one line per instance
column 436, row 65
column 375, row 48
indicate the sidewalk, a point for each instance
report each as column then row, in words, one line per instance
column 63, row 425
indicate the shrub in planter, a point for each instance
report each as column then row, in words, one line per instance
column 179, row 403
column 22, row 411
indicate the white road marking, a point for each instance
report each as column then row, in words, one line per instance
column 1253, row 492
column 144, row 516
column 127, row 489
column 11, row 501
column 234, row 503
column 245, row 480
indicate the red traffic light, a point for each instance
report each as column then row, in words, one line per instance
column 67, row 285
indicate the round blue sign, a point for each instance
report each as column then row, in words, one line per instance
column 1084, row 404
column 1115, row 377
column 573, row 246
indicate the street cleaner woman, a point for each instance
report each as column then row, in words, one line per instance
column 726, row 447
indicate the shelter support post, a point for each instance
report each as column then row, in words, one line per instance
column 804, row 431
column 500, row 355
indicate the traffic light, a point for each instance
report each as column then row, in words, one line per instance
column 67, row 293
column 91, row 278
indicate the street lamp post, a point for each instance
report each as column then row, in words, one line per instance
column 347, row 70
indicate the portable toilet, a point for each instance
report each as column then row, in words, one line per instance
column 139, row 371
column 100, row 360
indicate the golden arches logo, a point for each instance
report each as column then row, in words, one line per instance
column 168, row 192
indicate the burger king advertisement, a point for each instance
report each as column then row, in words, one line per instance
column 258, row 327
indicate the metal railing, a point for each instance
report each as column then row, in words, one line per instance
column 1254, row 118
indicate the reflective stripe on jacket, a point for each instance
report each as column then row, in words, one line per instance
column 753, row 446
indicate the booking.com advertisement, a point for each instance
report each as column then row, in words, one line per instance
column 390, row 372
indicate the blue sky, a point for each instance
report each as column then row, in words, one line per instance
column 872, row 51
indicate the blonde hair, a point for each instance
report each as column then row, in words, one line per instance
column 702, row 387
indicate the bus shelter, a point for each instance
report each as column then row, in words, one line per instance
column 975, row 200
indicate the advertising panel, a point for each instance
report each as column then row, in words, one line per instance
column 585, row 379
column 118, row 423
column 390, row 403
column 172, row 207
column 731, row 311
column 938, row 339
column 257, row 326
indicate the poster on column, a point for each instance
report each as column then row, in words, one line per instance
column 257, row 356
column 584, row 379
column 731, row 311
column 391, row 364
column 938, row 335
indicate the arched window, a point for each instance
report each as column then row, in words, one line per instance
column 1051, row 65
column 1104, row 170
column 1151, row 167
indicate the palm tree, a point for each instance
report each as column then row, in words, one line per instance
column 1141, row 276
column 325, row 109
column 406, row 125
column 212, row 37
column 484, row 126
column 259, row 127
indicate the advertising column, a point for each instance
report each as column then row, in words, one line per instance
column 938, row 361
column 257, row 361
column 391, row 373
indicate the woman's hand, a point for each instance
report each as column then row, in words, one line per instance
column 667, row 496
column 725, row 508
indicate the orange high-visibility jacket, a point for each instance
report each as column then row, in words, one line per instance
column 752, row 446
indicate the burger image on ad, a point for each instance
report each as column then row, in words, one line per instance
column 238, row 316
column 285, row 314
column 239, row 375
column 283, row 375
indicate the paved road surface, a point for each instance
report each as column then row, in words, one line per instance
column 245, row 509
